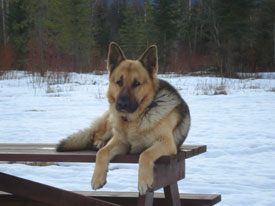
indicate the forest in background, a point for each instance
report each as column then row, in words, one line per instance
column 73, row 35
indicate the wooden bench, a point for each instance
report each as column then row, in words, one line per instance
column 19, row 191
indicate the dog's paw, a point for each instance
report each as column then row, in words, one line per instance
column 145, row 182
column 98, row 180
column 98, row 144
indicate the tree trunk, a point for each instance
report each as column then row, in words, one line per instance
column 216, row 36
column 164, row 52
column 274, row 44
column 4, row 23
column 40, row 39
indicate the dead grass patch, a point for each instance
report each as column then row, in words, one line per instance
column 39, row 164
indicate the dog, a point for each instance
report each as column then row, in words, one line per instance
column 146, row 115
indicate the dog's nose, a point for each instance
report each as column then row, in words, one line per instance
column 123, row 104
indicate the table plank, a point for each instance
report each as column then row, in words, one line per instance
column 47, row 153
column 186, row 198
column 45, row 193
column 122, row 198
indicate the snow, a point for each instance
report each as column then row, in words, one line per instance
column 238, row 129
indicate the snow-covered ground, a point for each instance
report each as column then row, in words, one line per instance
column 238, row 128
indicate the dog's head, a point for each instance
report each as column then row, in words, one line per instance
column 131, row 82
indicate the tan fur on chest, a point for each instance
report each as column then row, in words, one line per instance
column 139, row 137
column 130, row 133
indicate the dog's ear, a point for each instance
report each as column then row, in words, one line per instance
column 115, row 56
column 149, row 60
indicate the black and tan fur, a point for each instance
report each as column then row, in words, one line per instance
column 146, row 115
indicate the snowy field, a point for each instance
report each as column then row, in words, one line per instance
column 238, row 128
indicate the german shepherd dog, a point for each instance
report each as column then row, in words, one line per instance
column 146, row 115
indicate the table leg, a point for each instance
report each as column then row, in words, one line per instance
column 172, row 195
column 146, row 200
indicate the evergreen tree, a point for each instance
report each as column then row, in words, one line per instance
column 18, row 30
column 131, row 34
column 101, row 26
column 238, row 36
column 184, row 23
column 234, row 24
column 70, row 28
column 149, row 28
column 3, row 33
column 265, row 41
column 165, row 14
column 116, row 17
column 37, row 11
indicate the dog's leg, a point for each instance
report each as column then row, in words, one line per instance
column 164, row 146
column 103, row 157
column 102, row 130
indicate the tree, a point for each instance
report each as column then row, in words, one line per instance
column 18, row 30
column 116, row 17
column 37, row 11
column 73, row 35
column 70, row 27
column 131, row 34
column 101, row 26
column 3, row 35
column 6, row 52
column 165, row 14
column 150, row 31
column 265, row 39
column 231, row 33
column 137, row 31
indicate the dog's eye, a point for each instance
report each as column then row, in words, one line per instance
column 136, row 83
column 120, row 82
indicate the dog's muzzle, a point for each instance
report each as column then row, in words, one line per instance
column 125, row 104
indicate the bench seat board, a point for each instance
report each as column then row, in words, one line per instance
column 159, row 198
column 121, row 198
column 46, row 194
column 47, row 153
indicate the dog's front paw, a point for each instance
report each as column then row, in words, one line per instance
column 98, row 143
column 145, row 181
column 98, row 180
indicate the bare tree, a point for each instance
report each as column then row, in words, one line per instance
column 40, row 38
column 274, row 44
column 3, row 22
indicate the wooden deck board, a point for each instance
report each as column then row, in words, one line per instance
column 186, row 199
column 46, row 194
column 123, row 198
column 47, row 153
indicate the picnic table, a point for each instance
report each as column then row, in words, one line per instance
column 168, row 170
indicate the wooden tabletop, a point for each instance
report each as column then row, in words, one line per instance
column 47, row 153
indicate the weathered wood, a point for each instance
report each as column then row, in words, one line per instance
column 167, row 170
column 186, row 199
column 47, row 153
column 172, row 196
column 165, row 174
column 46, row 194
column 121, row 198
column 146, row 200
column 7, row 199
